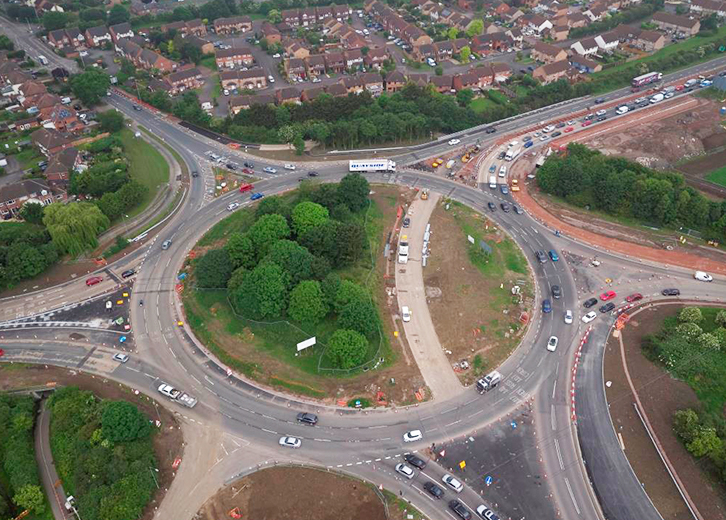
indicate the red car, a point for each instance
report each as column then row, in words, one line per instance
column 93, row 280
column 609, row 295
column 586, row 123
column 246, row 187
column 680, row 87
column 569, row 129
column 634, row 297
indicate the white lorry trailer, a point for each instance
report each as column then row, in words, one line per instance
column 372, row 165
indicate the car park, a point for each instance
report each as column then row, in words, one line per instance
column 540, row 256
column 307, row 418
column 460, row 510
column 552, row 343
column 269, row 169
column 166, row 244
column 128, row 273
column 505, row 207
column 589, row 303
column 546, row 306
column 702, row 277
column 415, row 461
column 568, row 317
column 491, row 206
column 256, row 196
column 634, row 297
column 121, row 358
column 404, row 470
column 453, row 483
column 434, row 490
column 587, row 318
column 232, row 206
column 607, row 307
column 608, row 295
column 671, row 292
column 553, row 255
column 412, row 436
column 556, row 292
column 453, row 142
column 290, row 442
column 486, row 513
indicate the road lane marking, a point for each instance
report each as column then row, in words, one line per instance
column 572, row 495
column 552, row 417
column 554, row 387
column 559, row 455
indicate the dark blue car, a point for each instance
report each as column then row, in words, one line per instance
column 528, row 144
column 256, row 196
column 546, row 306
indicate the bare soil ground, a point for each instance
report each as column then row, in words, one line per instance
column 471, row 313
column 661, row 396
column 292, row 493
column 168, row 440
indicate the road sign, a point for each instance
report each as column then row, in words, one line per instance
column 514, row 425
column 488, row 480
column 462, row 464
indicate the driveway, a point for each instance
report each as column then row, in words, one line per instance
column 420, row 332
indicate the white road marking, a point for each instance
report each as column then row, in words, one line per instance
column 559, row 454
column 572, row 495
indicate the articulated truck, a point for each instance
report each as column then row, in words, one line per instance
column 372, row 165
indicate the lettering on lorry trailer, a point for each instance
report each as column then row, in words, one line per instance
column 372, row 165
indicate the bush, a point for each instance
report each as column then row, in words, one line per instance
column 347, row 348
column 122, row 421
column 690, row 315
column 214, row 269
column 307, row 303
column 685, row 424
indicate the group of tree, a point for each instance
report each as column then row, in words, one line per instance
column 17, row 455
column 703, row 435
column 6, row 44
column 618, row 186
column 285, row 263
column 103, row 451
column 90, row 86
column 26, row 248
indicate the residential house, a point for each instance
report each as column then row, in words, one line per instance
column 76, row 37
column 585, row 65
column 49, row 141
column 547, row 53
column 352, row 84
column 501, row 72
column 30, row 91
column 43, row 102
column 342, row 12
column 586, row 47
column 295, row 50
column 607, row 42
column 25, row 124
column 465, row 5
column 291, row 17
column 352, row 40
column 376, row 57
column 295, row 68
column 234, row 58
column 674, row 23
column 467, row 80
column 708, row 7
column 148, row 59
column 650, row 41
column 323, row 14
column 205, row 46
column 444, row 49
column 120, row 31
column 577, row 20
column 311, row 93
column 270, row 33
column 516, row 36
column 308, row 17
column 232, row 25
column 63, row 118
column 443, row 83
column 551, row 72
column 353, row 58
column 195, row 27
column 315, row 65
column 333, row 27
column 560, row 31
column 395, row 81
column 14, row 196
column 336, row 90
column 253, row 79
column 60, row 165
column 182, row 80
column 97, row 36
column 288, row 95
column 415, row 36
column 335, row 62
column 58, row 38
column 595, row 13
column 538, row 23
column 419, row 80
column 459, row 44
column 237, row 103
column 372, row 82
column 424, row 52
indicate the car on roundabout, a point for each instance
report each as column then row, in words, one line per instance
column 307, row 418
column 608, row 295
column 412, row 436
column 589, row 303
column 702, row 277
column 587, row 318
column 607, row 307
column 405, row 470
column 453, row 142
column 552, row 343
column 269, row 169
column 290, row 442
column 671, row 292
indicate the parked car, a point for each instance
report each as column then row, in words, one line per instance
column 486, row 513
column 589, row 303
column 671, row 292
column 121, row 358
column 404, row 470
column 608, row 295
column 453, row 483
column 406, row 222
column 504, row 189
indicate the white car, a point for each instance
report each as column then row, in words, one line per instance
column 552, row 343
column 544, row 137
column 405, row 470
column 226, row 92
column 276, row 55
column 454, row 484
column 316, row 80
column 233, row 206
column 571, row 122
column 289, row 166
column 587, row 318
column 484, row 512
column 703, row 277
column 290, row 442
column 405, row 314
column 270, row 78
column 412, row 436
column 537, row 134
column 454, row 142
column 121, row 358
column 548, row 128
column 269, row 169
column 601, row 112
column 568, row 317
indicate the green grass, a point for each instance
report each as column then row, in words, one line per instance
column 216, row 87
column 481, row 104
column 237, row 221
column 146, row 165
column 209, row 61
column 718, row 176
column 29, row 158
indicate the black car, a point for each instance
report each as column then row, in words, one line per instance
column 127, row 273
column 607, row 307
column 307, row 418
column 434, row 490
column 505, row 207
column 523, row 71
column 77, row 106
column 556, row 292
column 137, row 107
column 556, row 134
column 313, row 174
column 671, row 292
column 560, row 125
column 517, row 209
column 415, row 461
column 490, row 130
column 541, row 257
column 601, row 119
column 599, row 100
column 406, row 222
column 589, row 303
column 231, row 166
column 501, row 155
column 460, row 510
column 492, row 207
column 195, row 173
column 249, row 165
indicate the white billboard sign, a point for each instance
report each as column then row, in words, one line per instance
column 305, row 344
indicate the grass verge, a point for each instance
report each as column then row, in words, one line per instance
column 718, row 176
column 146, row 165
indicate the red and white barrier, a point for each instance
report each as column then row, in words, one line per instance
column 578, row 354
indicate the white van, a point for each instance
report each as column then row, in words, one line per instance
column 493, row 182
column 656, row 98
column 513, row 144
column 622, row 110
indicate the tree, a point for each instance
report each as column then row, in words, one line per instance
column 360, row 315
column 685, row 424
column 475, row 28
column 299, row 144
column 350, row 239
column 270, row 205
column 241, row 251
column 274, row 16
column 307, row 303
column 32, row 212
column 118, row 14
column 236, row 280
column 53, row 20
column 122, row 421
column 689, row 330
column 214, row 269
column 705, row 442
column 7, row 45
column 720, row 335
column 111, row 121
column 465, row 54
column 74, row 227
column 308, row 215
column 690, row 315
column 452, row 33
column 293, row 258
column 347, row 348
column 90, row 86
column 708, row 341
column 439, row 70
column 263, row 293
column 721, row 318
column 348, row 292
column 266, row 231
column 353, row 191
column 464, row 97
column 30, row 497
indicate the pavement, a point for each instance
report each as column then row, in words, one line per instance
column 420, row 332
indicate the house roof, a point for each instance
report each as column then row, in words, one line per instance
column 334, row 58
column 60, row 163
column 371, row 77
column 242, row 74
column 230, row 53
column 547, row 49
column 246, row 101
column 336, row 89
column 183, row 75
column 121, row 28
column 289, row 93
column 98, row 31
column 315, row 59
column 441, row 81
column 650, row 36
column 395, row 76
column 313, row 92
column 48, row 138
column 22, row 189
column 555, row 68
column 673, row 19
